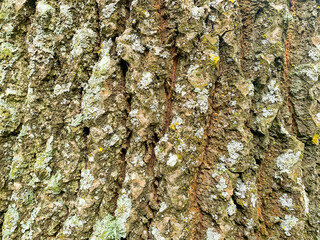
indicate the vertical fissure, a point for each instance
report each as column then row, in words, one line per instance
column 287, row 63
column 86, row 133
column 124, row 67
column 196, row 203
column 123, row 70
column 170, row 88
column 98, row 25
column 154, row 184
column 261, row 176
column 128, row 5
column 245, row 32
column 204, row 160
column 160, row 11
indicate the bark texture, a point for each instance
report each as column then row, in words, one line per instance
column 159, row 119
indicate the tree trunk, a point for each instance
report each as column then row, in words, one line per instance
column 159, row 119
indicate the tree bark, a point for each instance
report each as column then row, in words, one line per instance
column 159, row 119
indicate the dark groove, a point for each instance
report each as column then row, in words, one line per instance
column 160, row 11
column 287, row 64
column 124, row 66
column 204, row 161
column 98, row 25
column 128, row 4
column 151, row 167
column 17, row 131
column 86, row 131
column 169, row 89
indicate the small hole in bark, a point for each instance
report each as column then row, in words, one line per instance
column 258, row 161
column 86, row 131
column 124, row 67
column 278, row 62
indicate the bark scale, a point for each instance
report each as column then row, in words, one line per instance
column 158, row 119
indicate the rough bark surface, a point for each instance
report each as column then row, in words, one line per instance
column 159, row 119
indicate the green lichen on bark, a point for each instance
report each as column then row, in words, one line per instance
column 159, row 119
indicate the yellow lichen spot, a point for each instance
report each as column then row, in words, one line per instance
column 241, row 202
column 99, row 51
column 207, row 187
column 101, row 44
column 100, row 149
column 176, row 123
column 214, row 59
column 172, row 127
column 187, row 229
column 318, row 7
column 204, row 39
column 232, row 1
column 315, row 139
column 264, row 35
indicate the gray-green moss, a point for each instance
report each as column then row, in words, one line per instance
column 9, row 118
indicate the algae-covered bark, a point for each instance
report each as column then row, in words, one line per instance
column 158, row 119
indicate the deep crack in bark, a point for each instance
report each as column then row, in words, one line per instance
column 287, row 64
column 168, row 113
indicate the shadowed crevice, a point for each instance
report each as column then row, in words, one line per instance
column 170, row 87
column 98, row 24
